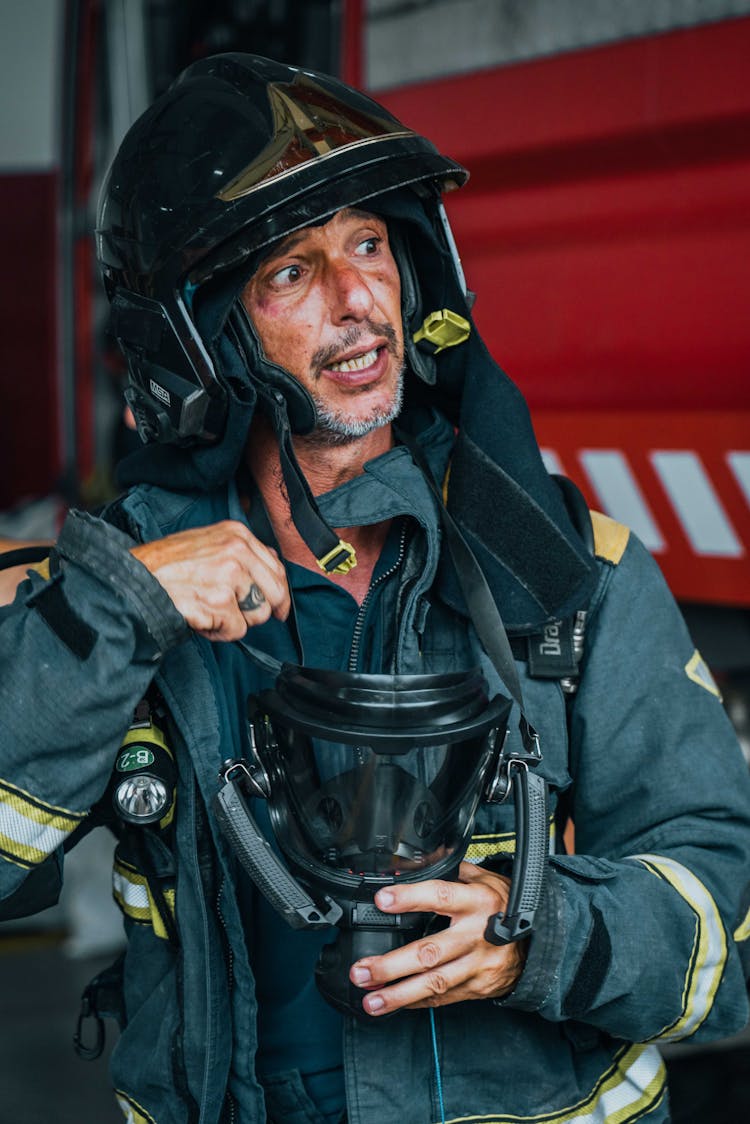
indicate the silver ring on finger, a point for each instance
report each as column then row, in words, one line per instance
column 253, row 599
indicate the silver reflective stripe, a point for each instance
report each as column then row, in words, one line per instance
column 697, row 503
column 633, row 1088
column 131, row 893
column 29, row 829
column 617, row 487
column 740, row 466
column 709, row 952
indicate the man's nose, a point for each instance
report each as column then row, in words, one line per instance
column 351, row 296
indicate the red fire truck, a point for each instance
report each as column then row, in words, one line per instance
column 605, row 231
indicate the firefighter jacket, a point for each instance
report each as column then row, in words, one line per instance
column 640, row 930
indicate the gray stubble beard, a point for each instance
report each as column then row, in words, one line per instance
column 334, row 428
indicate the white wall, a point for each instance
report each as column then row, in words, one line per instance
column 30, row 49
column 410, row 40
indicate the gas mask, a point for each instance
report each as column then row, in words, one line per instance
column 371, row 780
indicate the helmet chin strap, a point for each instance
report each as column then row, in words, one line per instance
column 279, row 395
column 333, row 555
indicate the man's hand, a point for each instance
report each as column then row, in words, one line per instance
column 14, row 575
column 208, row 571
column 449, row 966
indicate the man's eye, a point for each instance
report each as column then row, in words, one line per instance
column 369, row 246
column 287, row 276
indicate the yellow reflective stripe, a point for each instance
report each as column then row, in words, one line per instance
column 610, row 537
column 30, row 830
column 742, row 932
column 709, row 947
column 132, row 1111
column 484, row 847
column 629, row 1089
column 131, row 892
column 42, row 568
column 698, row 671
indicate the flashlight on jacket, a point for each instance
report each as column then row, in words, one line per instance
column 144, row 774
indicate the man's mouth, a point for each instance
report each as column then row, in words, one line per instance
column 357, row 363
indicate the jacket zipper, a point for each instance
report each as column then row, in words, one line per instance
column 208, row 1060
column 229, row 1099
column 359, row 623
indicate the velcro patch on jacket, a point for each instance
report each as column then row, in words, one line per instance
column 55, row 609
column 697, row 669
column 592, row 969
column 30, row 829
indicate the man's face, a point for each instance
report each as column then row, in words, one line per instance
column 326, row 304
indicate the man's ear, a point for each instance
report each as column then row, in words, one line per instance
column 300, row 406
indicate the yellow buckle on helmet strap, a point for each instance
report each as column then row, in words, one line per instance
column 443, row 329
column 340, row 560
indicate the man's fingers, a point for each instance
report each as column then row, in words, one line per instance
column 263, row 588
column 428, row 954
column 468, row 968
column 426, row 989
column 449, row 899
column 453, row 964
column 209, row 571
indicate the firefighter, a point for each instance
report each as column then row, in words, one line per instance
column 337, row 479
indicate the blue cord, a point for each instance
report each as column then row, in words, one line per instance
column 436, row 1059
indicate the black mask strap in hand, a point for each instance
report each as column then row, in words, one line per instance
column 23, row 556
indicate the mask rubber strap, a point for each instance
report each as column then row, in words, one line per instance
column 332, row 553
column 27, row 555
column 267, row 871
column 262, row 659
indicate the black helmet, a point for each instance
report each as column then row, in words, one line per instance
column 239, row 152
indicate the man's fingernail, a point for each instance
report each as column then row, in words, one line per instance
column 384, row 898
column 373, row 1004
column 361, row 976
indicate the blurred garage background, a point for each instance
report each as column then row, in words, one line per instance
column 605, row 230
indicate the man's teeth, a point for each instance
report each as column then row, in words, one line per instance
column 358, row 363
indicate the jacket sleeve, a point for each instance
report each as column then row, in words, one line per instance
column 77, row 652
column 636, row 929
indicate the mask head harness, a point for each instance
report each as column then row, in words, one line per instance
column 237, row 154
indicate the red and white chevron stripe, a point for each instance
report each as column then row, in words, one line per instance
column 680, row 480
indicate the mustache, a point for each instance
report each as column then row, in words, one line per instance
column 350, row 338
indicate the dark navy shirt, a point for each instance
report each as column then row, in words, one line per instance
column 297, row 1029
